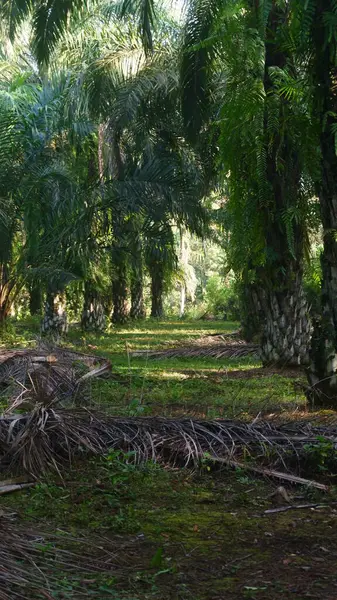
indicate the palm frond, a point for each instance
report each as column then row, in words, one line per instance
column 50, row 19
column 14, row 12
column 196, row 63
column 147, row 18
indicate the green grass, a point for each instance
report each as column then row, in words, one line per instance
column 198, row 386
column 186, row 385
column 183, row 535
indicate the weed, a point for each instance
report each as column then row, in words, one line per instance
column 320, row 456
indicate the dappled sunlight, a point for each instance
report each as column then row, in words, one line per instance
column 171, row 375
column 168, row 300
column 225, row 388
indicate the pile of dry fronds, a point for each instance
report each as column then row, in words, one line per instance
column 215, row 350
column 47, row 375
column 47, row 383
column 34, row 565
column 45, row 439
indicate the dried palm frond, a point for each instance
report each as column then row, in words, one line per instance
column 45, row 439
column 35, row 565
column 217, row 350
column 48, row 375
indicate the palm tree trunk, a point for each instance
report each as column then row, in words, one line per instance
column 182, row 299
column 323, row 370
column 183, row 259
column 115, row 168
column 137, row 310
column 4, row 306
column 93, row 317
column 252, row 314
column 286, row 331
column 6, row 287
column 35, row 300
column 137, row 299
column 157, row 290
column 55, row 317
column 120, row 294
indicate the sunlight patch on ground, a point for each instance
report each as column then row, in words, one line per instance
column 172, row 375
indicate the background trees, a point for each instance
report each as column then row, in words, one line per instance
column 103, row 138
column 119, row 127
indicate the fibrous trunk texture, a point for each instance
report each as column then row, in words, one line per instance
column 183, row 259
column 120, row 294
column 137, row 310
column 35, row 300
column 286, row 330
column 157, row 290
column 6, row 287
column 323, row 371
column 252, row 316
column 137, row 300
column 279, row 284
column 120, row 291
column 55, row 318
column 93, row 317
column 182, row 299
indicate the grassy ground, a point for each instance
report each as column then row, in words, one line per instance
column 199, row 386
column 177, row 534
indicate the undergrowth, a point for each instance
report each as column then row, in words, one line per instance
column 181, row 535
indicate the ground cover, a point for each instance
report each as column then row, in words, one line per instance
column 174, row 533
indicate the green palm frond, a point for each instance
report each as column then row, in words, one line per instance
column 138, row 93
column 14, row 12
column 147, row 19
column 50, row 19
column 196, row 63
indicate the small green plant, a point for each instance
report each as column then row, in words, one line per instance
column 120, row 466
column 321, row 455
column 135, row 408
column 204, row 462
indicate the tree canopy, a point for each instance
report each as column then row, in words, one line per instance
column 124, row 129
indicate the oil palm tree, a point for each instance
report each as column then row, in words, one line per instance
column 239, row 66
column 317, row 42
column 50, row 19
column 145, row 166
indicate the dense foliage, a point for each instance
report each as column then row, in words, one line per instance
column 128, row 138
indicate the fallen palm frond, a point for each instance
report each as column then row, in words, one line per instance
column 274, row 474
column 14, row 487
column 35, row 565
column 8, row 486
column 217, row 350
column 314, row 505
column 45, row 439
column 47, row 375
column 233, row 337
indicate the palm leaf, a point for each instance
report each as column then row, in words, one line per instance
column 147, row 19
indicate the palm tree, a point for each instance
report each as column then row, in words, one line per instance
column 161, row 261
column 29, row 173
column 137, row 267
column 132, row 101
column 51, row 19
column 49, row 237
column 316, row 34
column 93, row 314
column 239, row 68
column 145, row 166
